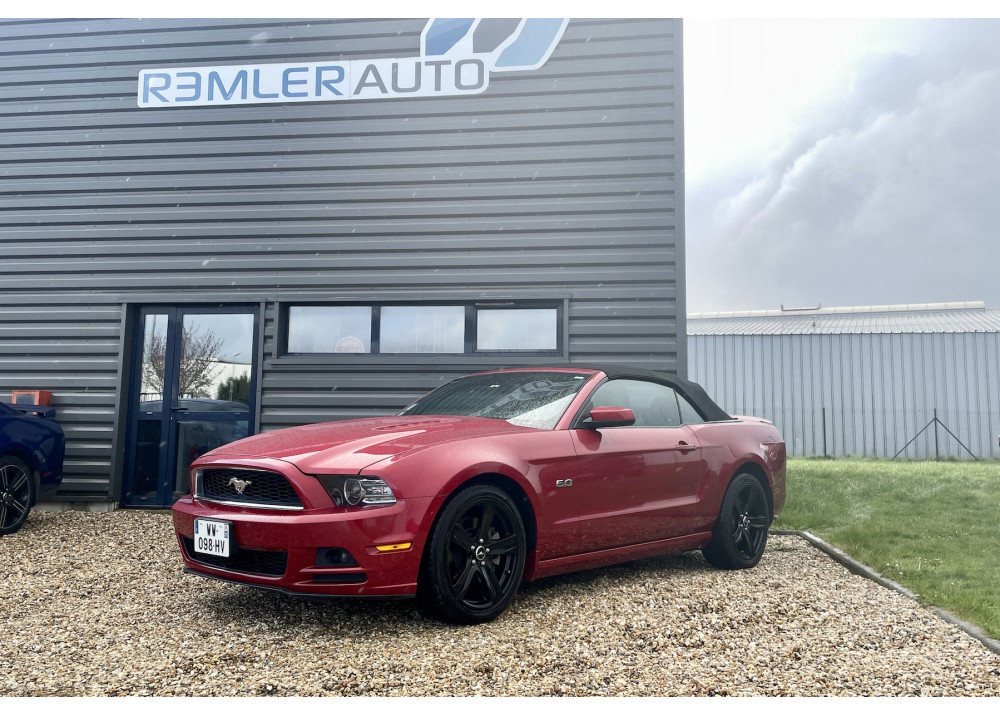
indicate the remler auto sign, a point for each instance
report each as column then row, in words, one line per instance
column 457, row 56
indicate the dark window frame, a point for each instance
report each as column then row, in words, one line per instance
column 471, row 329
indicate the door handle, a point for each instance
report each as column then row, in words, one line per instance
column 180, row 410
column 685, row 447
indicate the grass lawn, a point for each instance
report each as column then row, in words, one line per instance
column 934, row 527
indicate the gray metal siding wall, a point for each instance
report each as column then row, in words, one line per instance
column 878, row 390
column 72, row 350
column 560, row 183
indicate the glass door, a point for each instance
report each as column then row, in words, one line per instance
column 193, row 389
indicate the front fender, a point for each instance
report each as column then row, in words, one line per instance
column 441, row 476
column 533, row 461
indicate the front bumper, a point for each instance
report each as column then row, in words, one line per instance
column 290, row 551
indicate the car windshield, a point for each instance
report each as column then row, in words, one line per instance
column 532, row 399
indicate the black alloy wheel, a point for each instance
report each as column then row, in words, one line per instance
column 740, row 533
column 16, row 493
column 475, row 557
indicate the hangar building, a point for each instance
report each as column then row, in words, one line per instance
column 916, row 380
column 212, row 228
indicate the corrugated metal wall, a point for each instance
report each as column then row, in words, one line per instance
column 559, row 183
column 874, row 392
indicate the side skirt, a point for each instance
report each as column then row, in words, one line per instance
column 590, row 560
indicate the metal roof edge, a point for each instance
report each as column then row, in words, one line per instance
column 820, row 311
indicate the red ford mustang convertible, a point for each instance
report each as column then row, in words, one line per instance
column 488, row 481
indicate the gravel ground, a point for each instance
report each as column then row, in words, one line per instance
column 97, row 605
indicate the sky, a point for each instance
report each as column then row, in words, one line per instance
column 841, row 162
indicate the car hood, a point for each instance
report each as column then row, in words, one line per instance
column 349, row 446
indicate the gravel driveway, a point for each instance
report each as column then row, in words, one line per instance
column 97, row 605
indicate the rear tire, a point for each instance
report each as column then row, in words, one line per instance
column 740, row 533
column 17, row 493
column 475, row 557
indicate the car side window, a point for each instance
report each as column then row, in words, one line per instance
column 654, row 405
column 689, row 416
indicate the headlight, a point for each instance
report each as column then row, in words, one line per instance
column 353, row 491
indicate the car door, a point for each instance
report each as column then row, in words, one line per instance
column 638, row 483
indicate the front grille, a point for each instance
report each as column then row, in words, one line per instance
column 247, row 561
column 260, row 487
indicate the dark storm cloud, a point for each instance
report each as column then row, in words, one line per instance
column 886, row 193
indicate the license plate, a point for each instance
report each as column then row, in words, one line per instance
column 212, row 537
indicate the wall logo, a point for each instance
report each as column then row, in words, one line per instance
column 457, row 56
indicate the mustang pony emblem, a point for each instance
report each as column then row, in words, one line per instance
column 239, row 484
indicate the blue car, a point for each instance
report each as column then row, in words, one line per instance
column 31, row 461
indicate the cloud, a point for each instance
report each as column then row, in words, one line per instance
column 886, row 192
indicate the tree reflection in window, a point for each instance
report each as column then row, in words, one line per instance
column 198, row 369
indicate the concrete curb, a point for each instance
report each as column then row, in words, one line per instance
column 868, row 573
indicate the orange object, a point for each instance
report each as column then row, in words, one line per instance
column 31, row 397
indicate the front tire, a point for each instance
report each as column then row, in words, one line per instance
column 740, row 533
column 475, row 557
column 16, row 493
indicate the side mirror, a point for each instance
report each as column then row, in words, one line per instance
column 608, row 418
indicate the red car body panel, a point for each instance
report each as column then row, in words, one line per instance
column 634, row 492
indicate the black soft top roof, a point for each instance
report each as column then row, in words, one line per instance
column 689, row 389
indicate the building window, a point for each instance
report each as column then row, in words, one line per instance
column 517, row 329
column 329, row 329
column 424, row 329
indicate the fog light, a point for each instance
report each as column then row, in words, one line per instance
column 334, row 557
